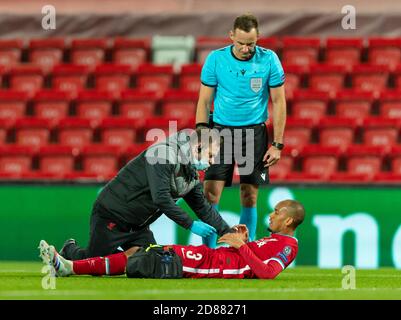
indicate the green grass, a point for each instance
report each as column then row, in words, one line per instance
column 23, row 280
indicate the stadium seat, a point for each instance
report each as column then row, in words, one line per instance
column 395, row 160
column 320, row 160
column 390, row 104
column 154, row 78
column 271, row 43
column 385, row 51
column 397, row 77
column 13, row 104
column 279, row 171
column 100, row 160
column 56, row 159
column 175, row 50
column 364, row 160
column 33, row 131
column 300, row 51
column 348, row 177
column 337, row 132
column 344, row 51
column 70, row 77
column 27, row 78
column 94, row 104
column 206, row 44
column 370, row 77
column 112, row 77
column 75, row 132
column 46, row 52
column 294, row 76
column 131, row 51
column 378, row 131
column 137, row 104
column 51, row 104
column 88, row 52
column 10, row 52
column 5, row 126
column 179, row 104
column 118, row 132
column 189, row 79
column 353, row 104
column 16, row 160
column 328, row 78
column 298, row 133
column 310, row 104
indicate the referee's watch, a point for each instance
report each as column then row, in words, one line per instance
column 278, row 145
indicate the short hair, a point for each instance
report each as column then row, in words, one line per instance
column 296, row 210
column 246, row 22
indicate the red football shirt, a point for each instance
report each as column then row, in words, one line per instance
column 264, row 258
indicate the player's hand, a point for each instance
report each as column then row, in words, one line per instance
column 202, row 229
column 271, row 156
column 232, row 239
column 243, row 230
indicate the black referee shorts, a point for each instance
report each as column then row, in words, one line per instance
column 244, row 146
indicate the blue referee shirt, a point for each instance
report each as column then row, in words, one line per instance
column 242, row 86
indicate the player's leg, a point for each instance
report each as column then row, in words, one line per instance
column 252, row 174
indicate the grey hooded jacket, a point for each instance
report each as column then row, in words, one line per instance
column 150, row 184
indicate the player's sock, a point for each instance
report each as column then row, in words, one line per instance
column 249, row 217
column 211, row 240
column 110, row 265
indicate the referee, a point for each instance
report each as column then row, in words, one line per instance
column 239, row 79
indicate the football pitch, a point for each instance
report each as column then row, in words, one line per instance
column 23, row 280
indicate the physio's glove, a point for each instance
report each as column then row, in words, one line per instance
column 202, row 229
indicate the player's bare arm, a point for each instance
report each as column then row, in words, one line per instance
column 235, row 240
column 279, row 117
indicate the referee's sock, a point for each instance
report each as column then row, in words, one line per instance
column 211, row 241
column 249, row 217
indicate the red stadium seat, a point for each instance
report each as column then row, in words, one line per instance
column 57, row 160
column 33, row 131
column 5, row 126
column 397, row 77
column 69, row 77
column 300, row 51
column 385, row 51
column 271, row 43
column 320, row 161
column 179, row 104
column 118, row 132
column 88, row 52
column 75, row 132
column 190, row 77
column 51, row 104
column 294, row 75
column 101, row 160
column 298, row 134
column 329, row 78
column 131, row 51
column 10, row 52
column 353, row 104
column 396, row 165
column 310, row 105
column 154, row 77
column 27, row 78
column 46, row 52
column 344, row 51
column 206, row 44
column 370, row 77
column 16, row 160
column 337, row 132
column 390, row 104
column 281, row 169
column 364, row 160
column 94, row 104
column 112, row 77
column 351, row 178
column 13, row 104
column 137, row 104
column 381, row 131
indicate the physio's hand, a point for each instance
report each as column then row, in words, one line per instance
column 202, row 229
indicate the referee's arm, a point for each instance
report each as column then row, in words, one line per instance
column 206, row 94
column 279, row 117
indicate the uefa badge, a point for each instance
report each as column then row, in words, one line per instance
column 256, row 84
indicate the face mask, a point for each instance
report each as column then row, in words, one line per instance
column 200, row 165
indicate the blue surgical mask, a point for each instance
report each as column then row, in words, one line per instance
column 200, row 164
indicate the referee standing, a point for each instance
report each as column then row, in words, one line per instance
column 239, row 79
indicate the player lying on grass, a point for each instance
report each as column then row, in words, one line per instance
column 264, row 258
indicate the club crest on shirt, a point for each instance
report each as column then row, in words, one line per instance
column 256, row 84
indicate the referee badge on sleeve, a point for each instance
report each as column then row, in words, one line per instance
column 256, row 84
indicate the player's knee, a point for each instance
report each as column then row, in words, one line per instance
column 248, row 197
